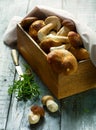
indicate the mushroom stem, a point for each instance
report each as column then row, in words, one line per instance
column 63, row 31
column 45, row 30
column 35, row 114
column 33, row 118
column 62, row 39
column 52, row 23
column 64, row 46
column 51, row 105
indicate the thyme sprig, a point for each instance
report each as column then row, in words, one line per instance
column 25, row 89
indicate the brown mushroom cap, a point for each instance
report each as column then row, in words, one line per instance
column 26, row 22
column 69, row 24
column 47, row 43
column 38, row 110
column 75, row 39
column 62, row 61
column 35, row 27
column 79, row 53
column 46, row 98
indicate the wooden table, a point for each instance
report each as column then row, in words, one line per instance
column 77, row 112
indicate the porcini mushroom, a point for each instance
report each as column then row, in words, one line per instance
column 62, row 61
column 35, row 27
column 49, row 102
column 47, row 43
column 35, row 114
column 75, row 39
column 79, row 53
column 52, row 22
column 26, row 22
column 53, row 41
column 68, row 25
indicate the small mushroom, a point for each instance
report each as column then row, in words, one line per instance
column 35, row 27
column 46, row 44
column 53, row 41
column 26, row 22
column 49, row 102
column 79, row 53
column 52, row 23
column 68, row 25
column 62, row 61
column 75, row 39
column 35, row 114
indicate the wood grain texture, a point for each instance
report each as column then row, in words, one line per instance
column 77, row 112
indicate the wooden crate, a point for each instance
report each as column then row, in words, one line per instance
column 61, row 86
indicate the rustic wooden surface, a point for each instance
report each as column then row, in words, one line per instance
column 77, row 112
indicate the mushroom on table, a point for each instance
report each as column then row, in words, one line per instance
column 49, row 102
column 35, row 114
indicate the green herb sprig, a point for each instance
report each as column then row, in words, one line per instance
column 25, row 89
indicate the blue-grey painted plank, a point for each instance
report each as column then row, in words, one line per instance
column 79, row 112
column 8, row 9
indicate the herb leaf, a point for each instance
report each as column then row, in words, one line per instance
column 25, row 89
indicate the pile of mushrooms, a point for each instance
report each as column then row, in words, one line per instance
column 60, row 40
column 37, row 112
